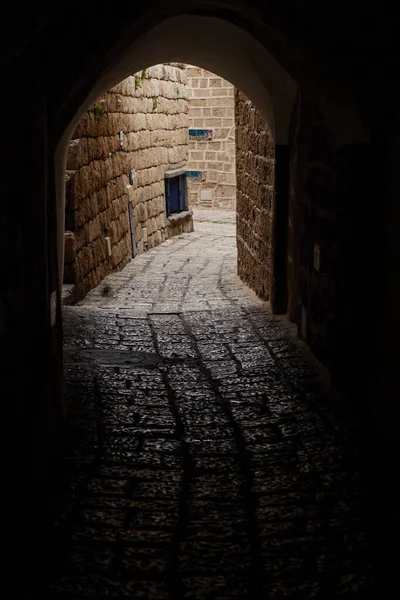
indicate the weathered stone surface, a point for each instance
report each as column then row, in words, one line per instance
column 98, row 188
column 203, row 457
column 69, row 247
column 213, row 157
column 324, row 212
column 255, row 181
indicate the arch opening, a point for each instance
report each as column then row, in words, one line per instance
column 229, row 51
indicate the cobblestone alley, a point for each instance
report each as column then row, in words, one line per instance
column 202, row 458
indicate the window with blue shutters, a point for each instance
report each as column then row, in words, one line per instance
column 175, row 191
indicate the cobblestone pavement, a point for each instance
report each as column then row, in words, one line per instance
column 201, row 459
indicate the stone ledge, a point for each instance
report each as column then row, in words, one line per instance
column 175, row 172
column 185, row 215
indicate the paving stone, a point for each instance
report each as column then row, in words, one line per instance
column 202, row 458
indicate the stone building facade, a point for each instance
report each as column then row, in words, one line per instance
column 255, row 164
column 212, row 177
column 117, row 160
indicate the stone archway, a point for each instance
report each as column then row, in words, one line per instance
column 66, row 61
column 238, row 56
column 229, row 51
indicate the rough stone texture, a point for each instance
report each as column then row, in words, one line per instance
column 180, row 222
column 203, row 460
column 51, row 61
column 151, row 113
column 69, row 257
column 211, row 106
column 255, row 190
column 328, row 190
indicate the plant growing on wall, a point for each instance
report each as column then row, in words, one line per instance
column 138, row 83
column 144, row 74
column 98, row 110
column 156, row 102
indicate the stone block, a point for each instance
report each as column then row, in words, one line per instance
column 152, row 207
column 219, row 111
column 198, row 102
column 196, row 155
column 140, row 121
column 158, row 121
column 81, row 238
column 157, row 189
column 153, row 87
column 214, row 82
column 157, row 237
column 155, row 71
column 160, row 222
column 202, row 93
column 139, row 247
column 94, row 229
column 133, row 195
column 159, row 137
column 214, row 166
column 181, row 136
column 69, row 247
column 177, row 154
column 219, row 92
column 73, row 192
column 77, row 154
column 193, row 72
column 150, row 241
column 153, row 225
column 193, row 112
column 226, row 190
column 221, row 133
column 121, row 185
column 133, row 141
column 144, row 214
column 222, row 177
column 102, row 199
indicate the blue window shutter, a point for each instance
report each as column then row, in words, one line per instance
column 182, row 194
column 167, row 197
column 175, row 194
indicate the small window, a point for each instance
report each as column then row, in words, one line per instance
column 175, row 191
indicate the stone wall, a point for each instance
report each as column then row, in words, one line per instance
column 255, row 192
column 140, row 125
column 212, row 162
column 331, row 255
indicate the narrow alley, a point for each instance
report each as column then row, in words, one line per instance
column 202, row 459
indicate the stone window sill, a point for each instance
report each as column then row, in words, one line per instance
column 181, row 216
